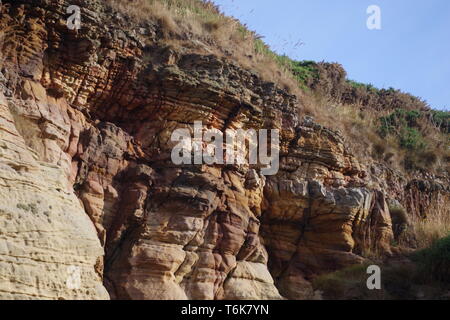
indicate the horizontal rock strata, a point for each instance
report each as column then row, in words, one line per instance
column 86, row 178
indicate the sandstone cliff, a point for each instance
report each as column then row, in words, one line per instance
column 86, row 178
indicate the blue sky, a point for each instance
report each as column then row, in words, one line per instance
column 411, row 52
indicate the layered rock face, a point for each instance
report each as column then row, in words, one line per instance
column 87, row 178
column 47, row 242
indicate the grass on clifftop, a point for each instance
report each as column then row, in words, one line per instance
column 372, row 120
column 425, row 274
column 186, row 20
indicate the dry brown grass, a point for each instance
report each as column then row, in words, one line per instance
column 199, row 27
column 359, row 128
column 424, row 232
column 183, row 21
column 187, row 20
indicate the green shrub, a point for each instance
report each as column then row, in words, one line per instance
column 359, row 85
column 347, row 283
column 404, row 125
column 398, row 282
column 441, row 119
column 304, row 72
column 435, row 261
column 411, row 139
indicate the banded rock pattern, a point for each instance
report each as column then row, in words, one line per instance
column 89, row 114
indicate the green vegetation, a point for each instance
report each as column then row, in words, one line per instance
column 411, row 139
column 399, row 281
column 302, row 71
column 398, row 120
column 435, row 261
column 348, row 283
column 404, row 125
column 441, row 119
column 407, row 135
column 364, row 86
column 426, row 276
column 399, row 127
column 421, row 133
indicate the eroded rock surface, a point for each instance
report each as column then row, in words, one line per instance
column 48, row 246
column 89, row 114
